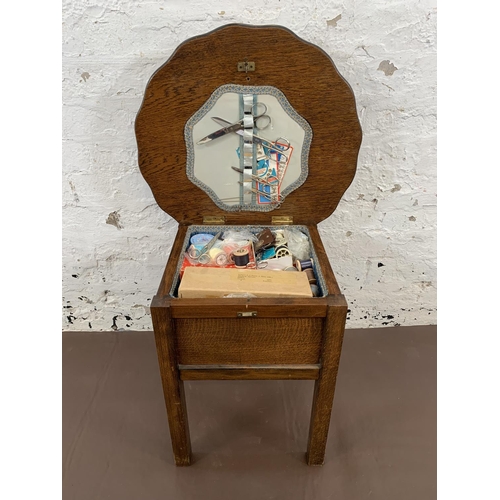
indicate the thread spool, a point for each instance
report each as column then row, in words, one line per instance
column 315, row 290
column 229, row 249
column 302, row 265
column 231, row 246
column 218, row 256
column 310, row 276
column 241, row 257
column 291, row 268
column 282, row 251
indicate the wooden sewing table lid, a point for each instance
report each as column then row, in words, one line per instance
column 303, row 72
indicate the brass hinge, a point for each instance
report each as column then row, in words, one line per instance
column 246, row 66
column 247, row 314
column 282, row 220
column 214, row 219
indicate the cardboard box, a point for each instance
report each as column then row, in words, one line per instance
column 209, row 282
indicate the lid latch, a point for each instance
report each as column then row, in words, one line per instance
column 246, row 66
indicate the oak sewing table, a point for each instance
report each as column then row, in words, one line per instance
column 247, row 338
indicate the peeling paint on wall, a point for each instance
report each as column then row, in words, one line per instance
column 387, row 67
column 114, row 220
column 333, row 22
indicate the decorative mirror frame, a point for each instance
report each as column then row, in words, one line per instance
column 256, row 91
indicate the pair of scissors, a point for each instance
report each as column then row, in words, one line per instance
column 203, row 256
column 261, row 120
column 279, row 146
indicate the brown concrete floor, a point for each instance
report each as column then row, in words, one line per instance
column 249, row 437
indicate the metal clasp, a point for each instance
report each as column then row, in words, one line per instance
column 246, row 66
column 247, row 314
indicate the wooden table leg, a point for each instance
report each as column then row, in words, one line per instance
column 173, row 386
column 324, row 389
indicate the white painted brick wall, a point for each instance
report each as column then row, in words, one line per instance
column 381, row 240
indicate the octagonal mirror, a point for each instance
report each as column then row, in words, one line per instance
column 247, row 148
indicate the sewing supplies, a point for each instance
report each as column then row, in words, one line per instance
column 201, row 239
column 194, row 252
column 268, row 253
column 281, row 251
column 260, row 180
column 221, row 282
column 270, row 197
column 267, row 196
column 198, row 241
column 218, row 256
column 265, row 239
column 302, row 265
column 279, row 146
column 269, row 179
column 279, row 237
column 257, row 191
column 260, row 120
column 229, row 248
column 241, row 258
column 243, row 249
column 255, row 154
column 204, row 256
column 310, row 275
column 279, row 263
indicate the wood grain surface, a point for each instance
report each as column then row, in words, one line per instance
column 248, row 341
column 249, row 372
column 302, row 71
column 264, row 307
column 324, row 388
column 173, row 386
